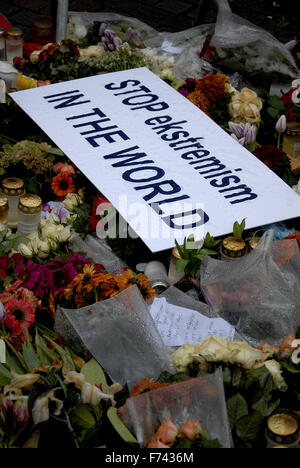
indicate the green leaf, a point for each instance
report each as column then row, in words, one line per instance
column 181, row 264
column 83, row 417
column 94, row 374
column 237, row 408
column 30, row 356
column 273, row 112
column 276, row 102
column 238, row 229
column 119, row 426
column 248, row 427
column 5, row 375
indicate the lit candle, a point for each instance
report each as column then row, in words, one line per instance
column 30, row 207
column 13, row 188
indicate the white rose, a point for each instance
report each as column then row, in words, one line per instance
column 71, row 201
column 48, row 230
column 183, row 357
column 244, row 354
column 63, row 234
column 275, row 370
column 80, row 30
column 25, row 250
column 214, row 349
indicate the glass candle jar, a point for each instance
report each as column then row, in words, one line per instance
column 282, row 429
column 174, row 275
column 13, row 188
column 291, row 141
column 233, row 248
column 30, row 207
column 3, row 209
column 157, row 275
column 2, row 45
column 14, row 44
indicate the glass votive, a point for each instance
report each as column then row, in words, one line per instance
column 157, row 275
column 13, row 188
column 14, row 44
column 29, row 211
column 3, row 209
column 174, row 275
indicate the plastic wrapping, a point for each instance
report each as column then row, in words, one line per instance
column 247, row 48
column 176, row 297
column 99, row 252
column 201, row 398
column 120, row 334
column 114, row 20
column 176, row 43
column 258, row 294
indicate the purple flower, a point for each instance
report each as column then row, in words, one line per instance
column 244, row 133
column 63, row 276
column 78, row 261
column 29, row 274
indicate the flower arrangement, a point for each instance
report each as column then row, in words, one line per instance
column 187, row 435
column 44, row 387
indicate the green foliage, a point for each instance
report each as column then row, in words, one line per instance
column 192, row 255
column 239, row 228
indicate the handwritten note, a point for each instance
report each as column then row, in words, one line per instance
column 179, row 326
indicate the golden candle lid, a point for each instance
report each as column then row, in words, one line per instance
column 234, row 247
column 30, row 203
column 253, row 243
column 293, row 129
column 283, row 425
column 14, row 33
column 3, row 203
column 12, row 186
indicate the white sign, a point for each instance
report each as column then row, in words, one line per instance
column 168, row 169
column 178, row 325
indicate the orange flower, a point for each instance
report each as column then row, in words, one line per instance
column 62, row 184
column 146, row 385
column 213, row 87
column 142, row 282
column 198, row 98
column 156, row 443
column 167, row 432
column 190, row 429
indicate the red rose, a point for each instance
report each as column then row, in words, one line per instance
column 17, row 259
column 3, row 267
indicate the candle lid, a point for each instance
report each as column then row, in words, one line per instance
column 3, row 203
column 42, row 30
column 283, row 425
column 234, row 246
column 293, row 129
column 12, row 186
column 30, row 204
column 253, row 243
column 14, row 33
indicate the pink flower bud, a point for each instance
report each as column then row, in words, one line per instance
column 281, row 124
